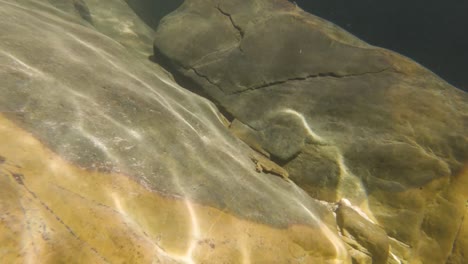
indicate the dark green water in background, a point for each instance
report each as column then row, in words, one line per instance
column 431, row 32
column 152, row 11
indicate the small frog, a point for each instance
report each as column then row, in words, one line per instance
column 263, row 164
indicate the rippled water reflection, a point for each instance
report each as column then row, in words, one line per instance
column 118, row 162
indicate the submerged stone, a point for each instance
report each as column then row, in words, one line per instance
column 344, row 118
column 105, row 159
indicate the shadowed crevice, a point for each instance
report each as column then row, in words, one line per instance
column 311, row 76
column 237, row 27
column 187, row 82
column 152, row 11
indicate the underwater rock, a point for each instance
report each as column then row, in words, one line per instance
column 460, row 246
column 356, row 227
column 74, row 7
column 105, row 159
column 365, row 123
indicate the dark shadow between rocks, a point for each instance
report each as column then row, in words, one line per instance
column 152, row 11
column 186, row 82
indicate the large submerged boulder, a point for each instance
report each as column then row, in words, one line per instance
column 344, row 118
column 310, row 146
column 105, row 159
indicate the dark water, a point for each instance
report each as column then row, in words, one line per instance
column 434, row 33
column 152, row 11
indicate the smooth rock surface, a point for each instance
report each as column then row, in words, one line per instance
column 345, row 119
column 105, row 159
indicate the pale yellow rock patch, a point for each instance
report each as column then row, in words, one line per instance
column 52, row 211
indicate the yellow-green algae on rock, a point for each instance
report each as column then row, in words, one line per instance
column 460, row 247
column 55, row 212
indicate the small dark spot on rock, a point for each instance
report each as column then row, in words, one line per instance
column 45, row 236
column 212, row 245
column 83, row 10
column 18, row 177
column 2, row 159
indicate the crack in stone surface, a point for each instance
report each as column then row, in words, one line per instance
column 28, row 227
column 19, row 178
column 454, row 244
column 106, row 207
column 401, row 243
column 273, row 83
column 311, row 76
column 205, row 77
column 84, row 198
column 237, row 27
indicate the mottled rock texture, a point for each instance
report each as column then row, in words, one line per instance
column 345, row 119
column 358, row 229
column 105, row 159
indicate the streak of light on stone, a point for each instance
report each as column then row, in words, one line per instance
column 82, row 96
column 358, row 190
column 245, row 250
column 118, row 204
column 168, row 104
column 216, row 113
column 136, row 227
column 172, row 109
column 195, row 231
column 155, row 94
column 135, row 134
column 101, row 53
column 174, row 85
column 357, row 210
column 107, row 58
column 171, row 83
column 395, row 258
column 340, row 249
column 97, row 142
column 126, row 27
column 56, row 168
column 44, row 14
column 23, row 67
column 181, row 118
column 399, row 242
column 164, row 102
column 311, row 133
column 131, row 132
